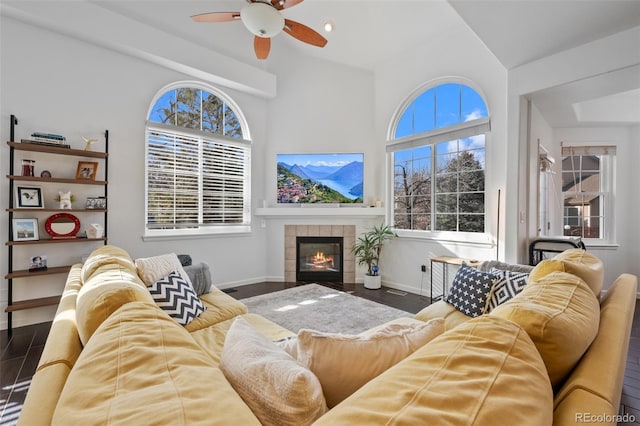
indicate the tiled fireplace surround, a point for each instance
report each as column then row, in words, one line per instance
column 348, row 232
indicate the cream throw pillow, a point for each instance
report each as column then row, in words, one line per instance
column 345, row 363
column 275, row 386
column 155, row 268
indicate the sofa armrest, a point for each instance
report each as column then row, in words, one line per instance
column 600, row 373
column 60, row 354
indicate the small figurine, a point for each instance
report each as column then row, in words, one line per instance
column 95, row 230
column 89, row 142
column 65, row 199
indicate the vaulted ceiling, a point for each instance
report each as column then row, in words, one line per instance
column 369, row 32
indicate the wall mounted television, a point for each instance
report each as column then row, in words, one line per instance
column 320, row 178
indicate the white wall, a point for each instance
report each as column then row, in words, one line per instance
column 615, row 52
column 608, row 54
column 80, row 89
column 456, row 53
column 321, row 107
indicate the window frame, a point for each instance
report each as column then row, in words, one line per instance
column 432, row 138
column 244, row 141
column 606, row 183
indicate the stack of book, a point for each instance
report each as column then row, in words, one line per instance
column 47, row 139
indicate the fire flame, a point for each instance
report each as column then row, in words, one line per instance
column 321, row 261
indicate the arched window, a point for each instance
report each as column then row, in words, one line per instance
column 438, row 155
column 198, row 163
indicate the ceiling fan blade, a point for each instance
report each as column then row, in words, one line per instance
column 217, row 17
column 261, row 45
column 285, row 4
column 303, row 33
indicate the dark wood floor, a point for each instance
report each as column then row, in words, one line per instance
column 19, row 354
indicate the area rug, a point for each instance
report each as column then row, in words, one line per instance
column 320, row 308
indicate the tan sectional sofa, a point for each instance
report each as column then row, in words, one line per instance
column 114, row 357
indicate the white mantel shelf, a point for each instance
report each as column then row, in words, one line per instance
column 320, row 212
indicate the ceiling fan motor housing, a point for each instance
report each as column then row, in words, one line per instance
column 262, row 19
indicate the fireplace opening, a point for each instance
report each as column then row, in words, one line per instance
column 319, row 259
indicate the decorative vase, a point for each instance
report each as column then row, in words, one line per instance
column 372, row 282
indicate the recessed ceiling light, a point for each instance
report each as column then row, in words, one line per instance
column 328, row 25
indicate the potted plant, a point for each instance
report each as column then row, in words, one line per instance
column 367, row 250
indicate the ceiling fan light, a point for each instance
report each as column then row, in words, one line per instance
column 262, row 19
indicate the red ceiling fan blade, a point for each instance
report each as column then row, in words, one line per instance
column 261, row 45
column 285, row 4
column 217, row 17
column 303, row 33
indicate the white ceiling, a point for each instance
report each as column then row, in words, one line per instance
column 518, row 32
column 369, row 32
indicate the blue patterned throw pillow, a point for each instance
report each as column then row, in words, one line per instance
column 470, row 289
column 177, row 298
column 508, row 285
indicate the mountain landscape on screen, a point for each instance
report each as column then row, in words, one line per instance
column 320, row 178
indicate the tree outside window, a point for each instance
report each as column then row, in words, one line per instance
column 439, row 161
column 197, row 163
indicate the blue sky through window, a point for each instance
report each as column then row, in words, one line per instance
column 444, row 105
column 163, row 102
column 439, row 186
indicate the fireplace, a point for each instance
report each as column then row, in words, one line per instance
column 346, row 232
column 319, row 259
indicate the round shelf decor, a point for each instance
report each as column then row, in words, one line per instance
column 62, row 225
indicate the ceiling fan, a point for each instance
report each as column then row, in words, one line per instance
column 264, row 20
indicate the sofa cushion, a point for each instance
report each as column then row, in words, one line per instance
column 475, row 373
column 343, row 363
column 441, row 309
column 508, row 285
column 578, row 262
column 107, row 255
column 561, row 314
column 151, row 269
column 470, row 289
column 177, row 298
column 278, row 389
column 211, row 339
column 219, row 307
column 142, row 368
column 108, row 287
column 544, row 268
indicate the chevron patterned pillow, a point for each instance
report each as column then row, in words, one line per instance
column 177, row 298
column 509, row 284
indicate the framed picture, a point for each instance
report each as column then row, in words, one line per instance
column 38, row 263
column 96, row 203
column 25, row 229
column 29, row 197
column 87, row 170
